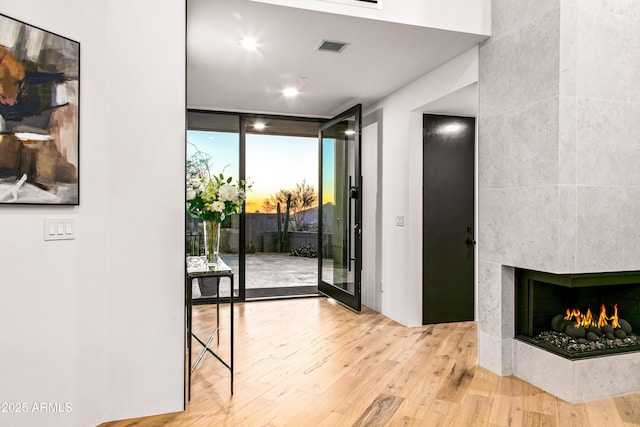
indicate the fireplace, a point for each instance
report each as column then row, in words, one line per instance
column 578, row 315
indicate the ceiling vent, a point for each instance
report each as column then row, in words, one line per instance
column 332, row 46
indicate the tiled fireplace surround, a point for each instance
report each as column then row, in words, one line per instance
column 571, row 380
column 559, row 173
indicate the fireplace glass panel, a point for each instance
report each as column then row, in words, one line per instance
column 541, row 297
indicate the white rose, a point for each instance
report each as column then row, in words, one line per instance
column 217, row 206
column 228, row 192
column 191, row 194
column 194, row 182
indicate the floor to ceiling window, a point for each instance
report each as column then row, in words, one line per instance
column 272, row 246
column 213, row 147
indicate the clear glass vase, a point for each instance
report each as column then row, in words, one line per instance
column 212, row 241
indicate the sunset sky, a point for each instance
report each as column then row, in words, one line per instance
column 273, row 162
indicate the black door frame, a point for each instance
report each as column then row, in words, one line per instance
column 352, row 301
column 242, row 120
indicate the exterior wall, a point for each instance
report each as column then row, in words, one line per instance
column 302, row 238
column 257, row 225
column 76, row 327
column 295, row 240
column 261, row 234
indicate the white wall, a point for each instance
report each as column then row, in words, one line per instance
column 476, row 18
column 98, row 321
column 401, row 273
column 370, row 248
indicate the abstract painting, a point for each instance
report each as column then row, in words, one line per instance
column 39, row 115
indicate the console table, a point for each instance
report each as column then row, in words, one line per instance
column 217, row 271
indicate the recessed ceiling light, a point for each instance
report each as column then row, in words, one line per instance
column 249, row 43
column 451, row 128
column 290, row 92
column 349, row 132
column 259, row 126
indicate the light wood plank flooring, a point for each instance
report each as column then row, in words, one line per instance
column 311, row 362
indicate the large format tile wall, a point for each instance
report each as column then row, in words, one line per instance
column 559, row 150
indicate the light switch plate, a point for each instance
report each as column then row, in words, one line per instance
column 399, row 220
column 59, row 228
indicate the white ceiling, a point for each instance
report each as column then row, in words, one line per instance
column 381, row 58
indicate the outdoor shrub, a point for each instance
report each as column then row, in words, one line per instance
column 306, row 251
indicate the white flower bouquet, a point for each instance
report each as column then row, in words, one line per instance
column 212, row 197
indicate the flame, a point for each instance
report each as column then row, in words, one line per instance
column 614, row 318
column 586, row 319
column 572, row 314
column 602, row 320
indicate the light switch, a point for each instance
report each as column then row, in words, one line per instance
column 58, row 228
column 399, row 220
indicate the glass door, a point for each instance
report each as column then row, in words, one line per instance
column 340, row 232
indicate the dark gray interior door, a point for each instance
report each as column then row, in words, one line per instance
column 448, row 218
column 339, row 234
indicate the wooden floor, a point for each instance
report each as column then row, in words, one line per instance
column 311, row 362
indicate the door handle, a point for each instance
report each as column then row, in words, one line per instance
column 354, row 192
column 470, row 240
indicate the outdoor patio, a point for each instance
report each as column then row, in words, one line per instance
column 273, row 273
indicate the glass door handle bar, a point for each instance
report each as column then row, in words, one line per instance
column 348, row 229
